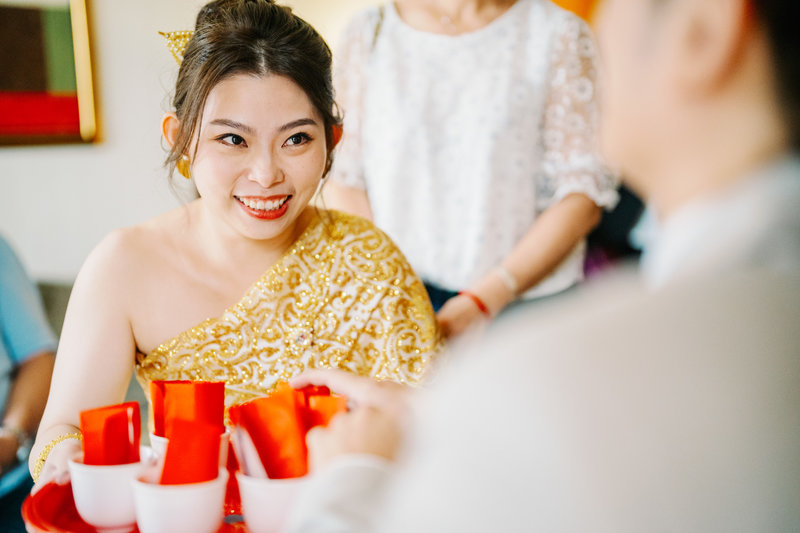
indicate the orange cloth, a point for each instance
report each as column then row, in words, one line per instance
column 111, row 434
column 582, row 8
column 201, row 401
column 192, row 452
column 278, row 424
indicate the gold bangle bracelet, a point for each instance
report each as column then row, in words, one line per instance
column 45, row 453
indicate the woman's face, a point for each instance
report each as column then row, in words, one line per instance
column 260, row 154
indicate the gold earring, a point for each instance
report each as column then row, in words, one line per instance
column 183, row 167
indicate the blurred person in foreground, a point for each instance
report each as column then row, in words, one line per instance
column 27, row 347
column 675, row 408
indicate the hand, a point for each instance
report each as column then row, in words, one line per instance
column 360, row 391
column 56, row 469
column 374, row 425
column 458, row 315
column 365, row 430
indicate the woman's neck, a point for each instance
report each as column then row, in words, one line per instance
column 457, row 7
column 451, row 17
column 228, row 250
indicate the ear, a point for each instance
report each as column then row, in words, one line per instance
column 169, row 128
column 712, row 42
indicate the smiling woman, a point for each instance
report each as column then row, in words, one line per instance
column 257, row 160
column 248, row 284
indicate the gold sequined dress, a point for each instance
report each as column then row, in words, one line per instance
column 343, row 296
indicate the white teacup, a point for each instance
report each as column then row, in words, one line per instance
column 190, row 508
column 159, row 446
column 103, row 494
column 266, row 503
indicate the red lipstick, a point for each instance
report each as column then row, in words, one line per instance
column 261, row 207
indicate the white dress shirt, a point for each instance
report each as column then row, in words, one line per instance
column 673, row 410
column 753, row 223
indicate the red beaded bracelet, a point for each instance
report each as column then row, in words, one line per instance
column 478, row 302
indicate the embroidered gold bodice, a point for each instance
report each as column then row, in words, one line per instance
column 343, row 296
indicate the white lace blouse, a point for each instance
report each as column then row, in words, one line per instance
column 462, row 141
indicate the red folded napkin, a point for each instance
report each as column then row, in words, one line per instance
column 202, row 401
column 321, row 406
column 277, row 425
column 192, row 452
column 111, row 434
column 276, row 431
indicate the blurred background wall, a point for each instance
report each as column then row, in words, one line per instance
column 58, row 201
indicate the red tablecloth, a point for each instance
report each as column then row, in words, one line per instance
column 52, row 510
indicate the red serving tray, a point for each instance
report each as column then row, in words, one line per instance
column 52, row 510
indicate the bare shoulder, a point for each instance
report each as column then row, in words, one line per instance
column 127, row 254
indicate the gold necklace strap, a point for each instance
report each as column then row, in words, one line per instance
column 39, row 465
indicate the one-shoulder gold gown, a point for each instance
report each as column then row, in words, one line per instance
column 343, row 296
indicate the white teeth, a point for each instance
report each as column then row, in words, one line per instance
column 262, row 205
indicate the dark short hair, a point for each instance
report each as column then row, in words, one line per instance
column 255, row 37
column 781, row 19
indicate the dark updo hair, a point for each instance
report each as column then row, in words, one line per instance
column 780, row 19
column 254, row 37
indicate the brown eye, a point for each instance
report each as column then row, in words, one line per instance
column 298, row 138
column 232, row 139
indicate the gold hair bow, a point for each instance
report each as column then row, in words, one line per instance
column 176, row 42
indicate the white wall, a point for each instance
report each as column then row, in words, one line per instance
column 57, row 202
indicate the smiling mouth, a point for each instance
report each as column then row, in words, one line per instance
column 261, row 208
column 261, row 204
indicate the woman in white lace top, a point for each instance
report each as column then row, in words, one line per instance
column 469, row 137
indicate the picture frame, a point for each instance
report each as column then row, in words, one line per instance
column 46, row 81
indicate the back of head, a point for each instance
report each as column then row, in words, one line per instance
column 256, row 37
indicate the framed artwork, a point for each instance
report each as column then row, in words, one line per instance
column 46, row 88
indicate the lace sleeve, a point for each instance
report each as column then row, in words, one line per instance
column 349, row 80
column 571, row 159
